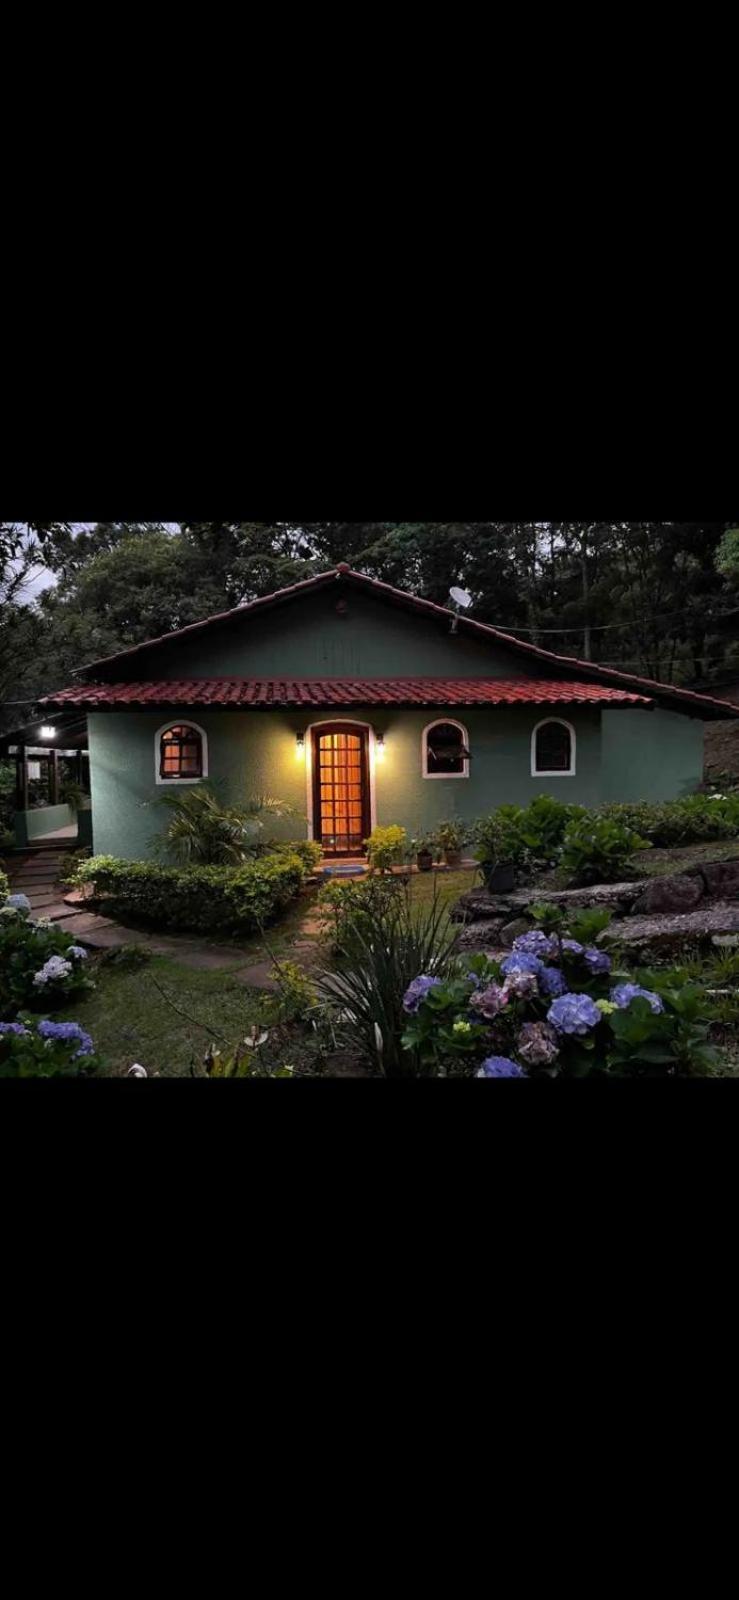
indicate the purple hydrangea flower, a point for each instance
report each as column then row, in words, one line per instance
column 522, row 985
column 574, row 1013
column 417, row 991
column 67, row 1031
column 13, row 1027
column 551, row 983
column 535, row 943
column 78, row 951
column 520, row 962
column 596, row 961
column 572, row 945
column 500, row 1067
column 489, row 1001
column 624, row 993
column 537, row 1044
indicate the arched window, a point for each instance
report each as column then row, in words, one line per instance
column 553, row 746
column 446, row 750
column 181, row 753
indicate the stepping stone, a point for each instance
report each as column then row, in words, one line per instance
column 108, row 936
column 82, row 922
column 261, row 976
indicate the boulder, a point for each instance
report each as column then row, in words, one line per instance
column 514, row 929
column 615, row 897
column 721, row 878
column 681, row 893
column 481, row 936
column 658, row 933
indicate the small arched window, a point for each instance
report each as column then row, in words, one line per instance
column 446, row 751
column 182, row 753
column 553, row 749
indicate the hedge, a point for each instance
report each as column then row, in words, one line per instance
column 675, row 822
column 4, row 887
column 200, row 899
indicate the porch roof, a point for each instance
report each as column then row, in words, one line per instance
column 263, row 693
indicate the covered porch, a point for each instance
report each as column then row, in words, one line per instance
column 52, row 782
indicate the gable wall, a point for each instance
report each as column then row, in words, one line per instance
column 307, row 639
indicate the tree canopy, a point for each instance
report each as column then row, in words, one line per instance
column 655, row 598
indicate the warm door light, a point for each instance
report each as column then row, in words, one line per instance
column 48, row 732
column 380, row 746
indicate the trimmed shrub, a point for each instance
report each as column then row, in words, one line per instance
column 696, row 818
column 308, row 850
column 234, row 900
column 4, row 887
column 597, row 849
column 386, row 847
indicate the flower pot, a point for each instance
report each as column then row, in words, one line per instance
column 424, row 861
column 453, row 858
column 500, row 876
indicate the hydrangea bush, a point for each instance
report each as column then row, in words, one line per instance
column 40, row 966
column 32, row 1049
column 555, row 1007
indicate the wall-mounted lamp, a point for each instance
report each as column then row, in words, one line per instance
column 48, row 732
column 380, row 746
column 299, row 744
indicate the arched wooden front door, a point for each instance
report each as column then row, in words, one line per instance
column 341, row 792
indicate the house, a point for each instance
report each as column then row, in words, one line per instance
column 362, row 704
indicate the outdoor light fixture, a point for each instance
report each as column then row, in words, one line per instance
column 380, row 746
column 48, row 732
column 299, row 743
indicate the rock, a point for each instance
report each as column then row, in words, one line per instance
column 480, row 935
column 720, row 878
column 680, row 893
column 514, row 929
column 664, row 932
column 617, row 897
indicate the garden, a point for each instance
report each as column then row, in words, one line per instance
column 523, row 945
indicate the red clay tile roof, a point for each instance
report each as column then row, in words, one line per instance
column 297, row 692
column 346, row 578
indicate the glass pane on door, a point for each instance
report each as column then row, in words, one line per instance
column 341, row 791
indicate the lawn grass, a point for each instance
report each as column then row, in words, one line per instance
column 130, row 1021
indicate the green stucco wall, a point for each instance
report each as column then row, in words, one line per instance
column 307, row 639
column 655, row 755
column 620, row 755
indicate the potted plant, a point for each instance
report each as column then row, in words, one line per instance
column 424, row 848
column 498, row 851
column 386, row 848
column 450, row 837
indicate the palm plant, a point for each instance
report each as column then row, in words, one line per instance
column 204, row 832
column 385, row 952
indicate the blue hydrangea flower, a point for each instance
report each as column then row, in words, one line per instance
column 551, row 982
column 624, row 993
column 78, row 951
column 520, row 962
column 13, row 1027
column 535, row 943
column 417, row 991
column 572, row 945
column 500, row 1067
column 53, row 971
column 574, row 1013
column 596, row 960
column 67, row 1031
column 20, row 902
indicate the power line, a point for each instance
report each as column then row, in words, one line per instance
column 602, row 627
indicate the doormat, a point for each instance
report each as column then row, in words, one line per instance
column 344, row 872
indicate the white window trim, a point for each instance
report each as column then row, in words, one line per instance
column 564, row 772
column 179, row 722
column 350, row 722
column 435, row 777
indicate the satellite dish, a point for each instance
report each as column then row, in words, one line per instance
column 460, row 598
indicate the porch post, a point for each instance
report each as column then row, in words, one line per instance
column 53, row 777
column 21, row 779
column 79, row 768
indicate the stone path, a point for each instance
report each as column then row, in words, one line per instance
column 35, row 874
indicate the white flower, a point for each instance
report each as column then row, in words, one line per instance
column 78, row 951
column 137, row 1071
column 53, row 970
column 42, row 922
column 8, row 911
